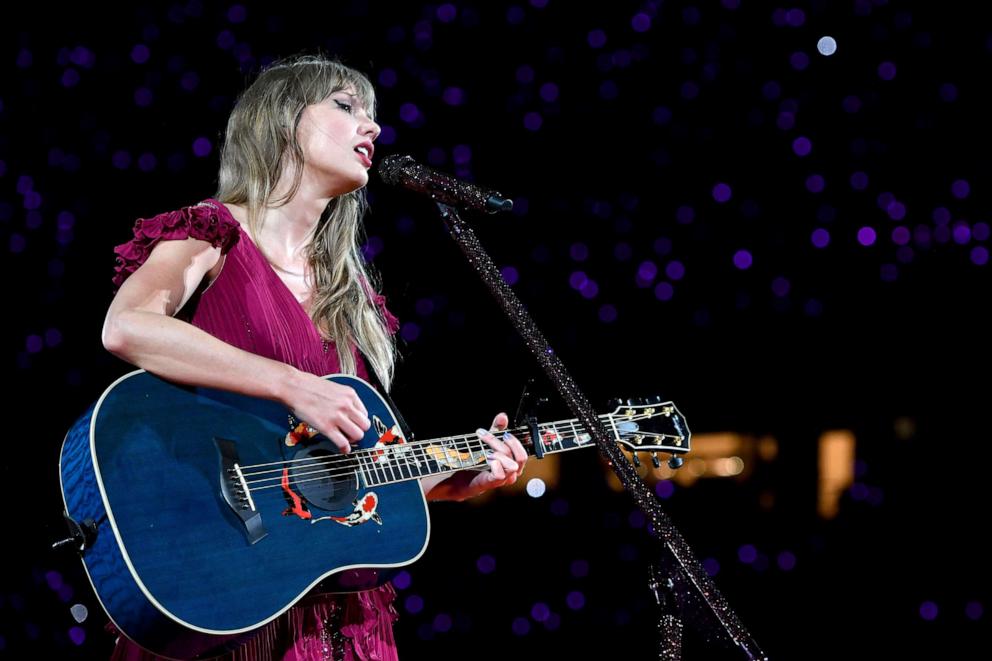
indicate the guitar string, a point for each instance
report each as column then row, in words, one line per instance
column 567, row 424
column 384, row 472
column 398, row 458
column 523, row 431
column 403, row 448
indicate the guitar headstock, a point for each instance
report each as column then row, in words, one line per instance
column 650, row 425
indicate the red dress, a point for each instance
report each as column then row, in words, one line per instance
column 250, row 307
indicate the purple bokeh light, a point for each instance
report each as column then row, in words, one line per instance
column 887, row 70
column 596, row 38
column 866, row 236
column 410, row 331
column 960, row 189
column 521, row 626
column 402, row 580
column 786, row 560
column 815, row 183
column 442, row 622
column 929, row 611
column 413, row 603
column 979, row 255
column 664, row 489
column 202, row 147
column 446, row 13
column 486, row 564
column 675, row 270
column 743, row 259
column 747, row 553
column 664, row 291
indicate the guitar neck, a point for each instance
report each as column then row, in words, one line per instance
column 437, row 456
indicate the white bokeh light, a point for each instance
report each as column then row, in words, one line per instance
column 826, row 46
column 535, row 487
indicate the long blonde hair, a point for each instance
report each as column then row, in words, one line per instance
column 260, row 138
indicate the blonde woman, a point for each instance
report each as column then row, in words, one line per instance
column 262, row 290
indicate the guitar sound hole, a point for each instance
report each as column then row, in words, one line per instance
column 325, row 477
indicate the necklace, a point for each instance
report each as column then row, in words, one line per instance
column 279, row 268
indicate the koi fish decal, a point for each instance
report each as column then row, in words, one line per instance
column 365, row 510
column 296, row 507
column 300, row 433
column 391, row 436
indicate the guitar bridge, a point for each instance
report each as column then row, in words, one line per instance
column 235, row 490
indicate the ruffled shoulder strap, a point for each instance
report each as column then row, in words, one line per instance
column 201, row 221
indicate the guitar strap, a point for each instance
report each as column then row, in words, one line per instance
column 374, row 378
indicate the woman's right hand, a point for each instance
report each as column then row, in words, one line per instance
column 335, row 410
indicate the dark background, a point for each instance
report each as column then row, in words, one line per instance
column 887, row 340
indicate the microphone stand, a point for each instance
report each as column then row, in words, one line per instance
column 680, row 584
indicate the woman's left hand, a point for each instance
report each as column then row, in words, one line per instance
column 506, row 463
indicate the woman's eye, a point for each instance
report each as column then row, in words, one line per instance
column 346, row 106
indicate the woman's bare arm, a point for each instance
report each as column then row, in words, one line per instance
column 140, row 328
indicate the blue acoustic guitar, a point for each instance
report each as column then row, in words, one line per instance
column 202, row 514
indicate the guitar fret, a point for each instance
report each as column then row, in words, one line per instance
column 473, row 461
column 374, row 466
column 390, row 463
column 381, row 467
column 399, row 459
column 411, row 460
column 414, row 461
column 372, row 471
column 362, row 466
column 425, row 460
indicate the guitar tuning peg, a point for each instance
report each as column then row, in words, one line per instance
column 675, row 462
column 637, row 462
column 655, row 460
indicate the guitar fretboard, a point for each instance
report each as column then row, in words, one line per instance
column 408, row 461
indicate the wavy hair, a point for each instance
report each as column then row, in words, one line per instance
column 259, row 142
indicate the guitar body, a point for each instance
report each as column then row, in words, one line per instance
column 183, row 562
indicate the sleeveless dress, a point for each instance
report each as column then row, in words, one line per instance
column 250, row 307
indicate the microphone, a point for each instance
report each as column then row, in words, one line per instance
column 406, row 172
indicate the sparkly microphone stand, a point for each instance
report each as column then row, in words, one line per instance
column 681, row 586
